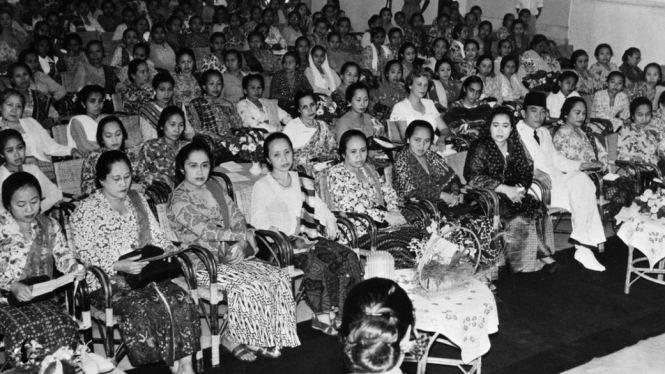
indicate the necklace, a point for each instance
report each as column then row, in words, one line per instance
column 285, row 185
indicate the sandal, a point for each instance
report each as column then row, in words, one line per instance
column 324, row 327
column 268, row 352
column 239, row 352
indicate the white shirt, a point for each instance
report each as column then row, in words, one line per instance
column 253, row 116
column 403, row 111
column 545, row 157
column 532, row 5
column 299, row 133
column 279, row 206
column 43, row 62
column 555, row 102
column 38, row 143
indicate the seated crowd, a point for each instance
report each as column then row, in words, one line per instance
column 347, row 122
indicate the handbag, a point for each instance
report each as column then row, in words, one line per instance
column 13, row 301
column 156, row 271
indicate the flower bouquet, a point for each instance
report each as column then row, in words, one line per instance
column 325, row 109
column 247, row 145
column 652, row 204
column 541, row 81
column 442, row 265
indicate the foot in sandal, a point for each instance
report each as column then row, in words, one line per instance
column 239, row 351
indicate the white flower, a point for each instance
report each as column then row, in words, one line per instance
column 251, row 147
column 234, row 149
column 648, row 194
column 654, row 209
column 244, row 147
column 243, row 139
column 432, row 228
column 319, row 112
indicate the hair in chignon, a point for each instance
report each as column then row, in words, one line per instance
column 346, row 137
column 183, row 155
column 269, row 140
column 105, row 164
column 100, row 130
column 568, row 105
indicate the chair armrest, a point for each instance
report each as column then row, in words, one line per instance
column 419, row 210
column 366, row 221
column 282, row 251
column 227, row 180
column 346, row 223
column 546, row 193
column 208, row 260
column 187, row 270
column 491, row 200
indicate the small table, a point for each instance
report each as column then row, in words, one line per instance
column 243, row 183
column 464, row 319
column 641, row 232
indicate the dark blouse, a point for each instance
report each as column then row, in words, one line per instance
column 411, row 180
column 281, row 90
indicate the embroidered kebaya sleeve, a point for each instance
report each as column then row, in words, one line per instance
column 62, row 254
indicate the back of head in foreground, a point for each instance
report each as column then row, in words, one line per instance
column 376, row 326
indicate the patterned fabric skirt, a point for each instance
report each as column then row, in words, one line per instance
column 261, row 310
column 157, row 322
column 527, row 241
column 331, row 270
column 45, row 322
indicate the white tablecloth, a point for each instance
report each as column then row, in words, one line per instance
column 466, row 316
column 643, row 233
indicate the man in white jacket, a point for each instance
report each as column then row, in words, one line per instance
column 571, row 188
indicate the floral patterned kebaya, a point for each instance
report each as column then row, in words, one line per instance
column 638, row 145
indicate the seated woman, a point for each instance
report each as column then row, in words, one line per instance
column 139, row 91
column 439, row 50
column 37, row 104
column 232, row 90
column 634, row 75
column 12, row 149
column 75, row 55
column 321, row 77
column 421, row 173
column 510, row 86
column 33, row 245
column 286, row 82
column 111, row 135
column 187, row 87
column 39, row 146
column 535, row 62
column 350, row 74
column 498, row 161
column 408, row 56
column 149, row 113
column 261, row 308
column 390, row 92
column 416, row 106
column 357, row 97
column 259, row 60
column 444, row 90
column 575, row 140
column 213, row 116
column 257, row 112
column 110, row 223
column 650, row 86
column 215, row 60
column 485, row 67
column 603, row 66
column 157, row 156
column 355, row 186
column 467, row 115
column 636, row 143
column 565, row 88
column 122, row 54
column 612, row 103
column 96, row 73
column 235, row 37
column 286, row 201
column 82, row 128
column 456, row 53
column 376, row 54
column 519, row 38
column 585, row 83
column 467, row 66
column 161, row 52
column 377, row 327
column 311, row 139
column 40, row 81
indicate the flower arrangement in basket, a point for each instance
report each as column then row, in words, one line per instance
column 442, row 265
column 247, row 146
column 652, row 204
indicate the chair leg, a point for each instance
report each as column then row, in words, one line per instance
column 629, row 269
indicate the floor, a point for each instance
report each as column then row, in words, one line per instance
column 547, row 324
